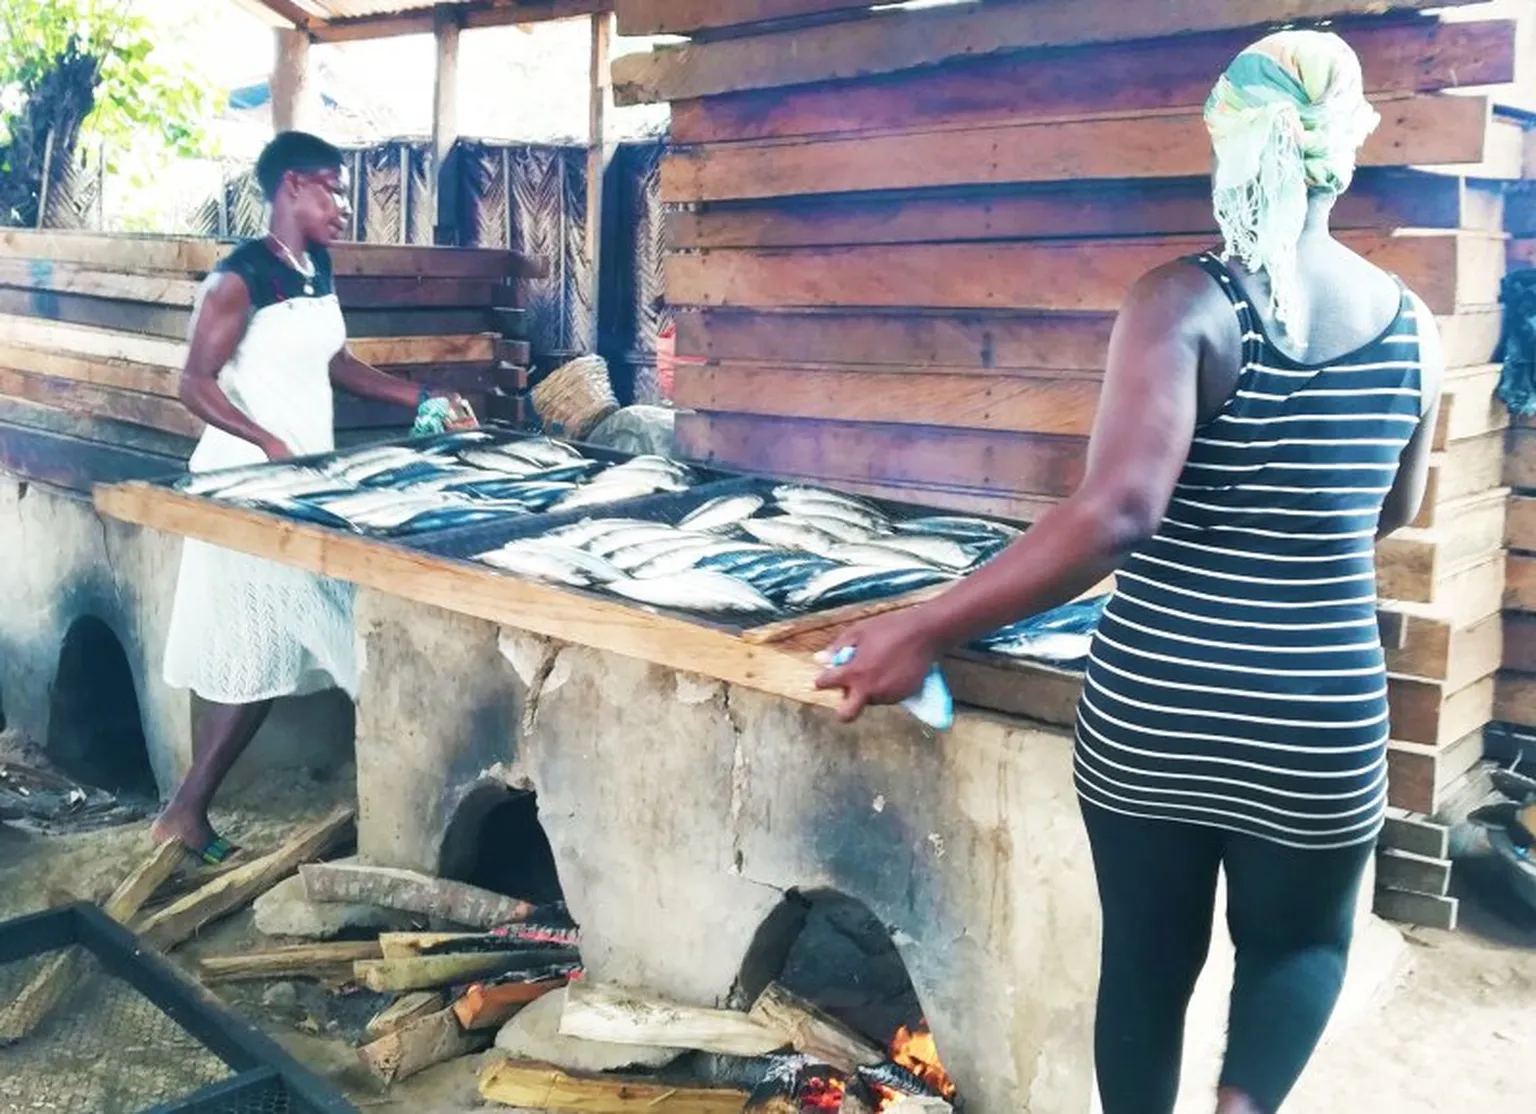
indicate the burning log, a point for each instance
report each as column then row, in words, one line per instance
column 411, row 1007
column 405, row 945
column 410, row 892
column 327, row 962
column 779, row 1092
column 426, row 972
column 419, row 1045
column 541, row 1087
column 490, row 1005
column 821, row 1037
column 615, row 1016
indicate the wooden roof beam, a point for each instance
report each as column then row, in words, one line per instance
column 281, row 14
column 501, row 13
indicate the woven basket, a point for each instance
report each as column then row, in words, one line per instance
column 574, row 398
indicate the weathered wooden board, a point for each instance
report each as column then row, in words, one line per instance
column 1420, row 777
column 1520, row 531
column 680, row 17
column 1384, row 199
column 914, row 338
column 435, row 321
column 1415, row 131
column 197, row 256
column 982, row 462
column 1516, row 701
column 1434, row 634
column 1520, row 642
column 123, row 374
column 1422, row 55
column 1414, row 563
column 1470, row 406
column 1430, row 713
column 75, row 464
column 469, row 348
column 421, row 292
column 132, row 407
column 900, row 40
column 140, row 318
column 1450, row 271
column 71, row 278
column 1520, row 464
column 1520, row 583
column 910, row 338
column 1058, row 403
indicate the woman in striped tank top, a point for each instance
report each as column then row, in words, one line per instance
column 1261, row 426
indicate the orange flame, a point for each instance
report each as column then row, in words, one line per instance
column 917, row 1051
column 823, row 1093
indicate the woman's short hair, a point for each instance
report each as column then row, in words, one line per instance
column 298, row 152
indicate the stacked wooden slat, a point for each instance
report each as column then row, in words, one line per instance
column 93, row 338
column 901, row 237
column 1517, row 684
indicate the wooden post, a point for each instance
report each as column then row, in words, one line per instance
column 445, row 122
column 597, row 156
column 43, row 188
column 290, row 80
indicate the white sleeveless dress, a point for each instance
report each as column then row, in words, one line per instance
column 244, row 629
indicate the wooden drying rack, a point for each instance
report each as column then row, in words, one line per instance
column 776, row 658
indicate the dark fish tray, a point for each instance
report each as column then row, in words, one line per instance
column 132, row 1035
column 670, row 508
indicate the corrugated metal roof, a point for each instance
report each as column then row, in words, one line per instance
column 332, row 19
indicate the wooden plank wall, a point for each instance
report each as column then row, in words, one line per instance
column 93, row 330
column 898, row 240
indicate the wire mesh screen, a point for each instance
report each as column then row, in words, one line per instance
column 102, row 1049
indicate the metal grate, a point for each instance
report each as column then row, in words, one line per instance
column 104, row 1049
column 126, row 1033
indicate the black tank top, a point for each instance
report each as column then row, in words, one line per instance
column 1237, row 679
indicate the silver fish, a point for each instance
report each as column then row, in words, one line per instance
column 959, row 527
column 1052, row 646
column 493, row 459
column 946, row 553
column 579, row 534
column 637, row 556
column 685, row 558
column 694, row 590
column 284, row 484
column 554, row 563
column 610, row 544
column 871, row 522
column 834, row 589
column 788, row 493
column 601, row 491
column 876, row 556
column 722, row 513
column 849, row 533
column 542, row 450
column 208, row 483
column 787, row 533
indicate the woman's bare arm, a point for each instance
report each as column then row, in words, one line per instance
column 1146, row 420
column 1408, row 487
column 217, row 330
column 366, row 381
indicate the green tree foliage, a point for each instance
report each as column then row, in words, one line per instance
column 87, row 71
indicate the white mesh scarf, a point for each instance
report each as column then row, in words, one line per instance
column 1287, row 120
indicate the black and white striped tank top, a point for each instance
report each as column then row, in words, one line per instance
column 1237, row 679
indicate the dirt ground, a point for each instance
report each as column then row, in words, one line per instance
column 1458, row 1034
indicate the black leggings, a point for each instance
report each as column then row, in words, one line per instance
column 1290, row 913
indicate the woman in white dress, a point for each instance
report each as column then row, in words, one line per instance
column 268, row 345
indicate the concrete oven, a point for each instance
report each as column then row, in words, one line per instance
column 698, row 828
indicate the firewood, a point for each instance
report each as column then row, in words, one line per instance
column 821, row 1037
column 542, row 1087
column 312, row 961
column 410, row 892
column 179, row 921
column 485, row 1006
column 418, row 1045
column 610, row 1014
column 426, row 972
column 779, row 1092
column 412, row 1007
column 408, row 945
column 60, row 972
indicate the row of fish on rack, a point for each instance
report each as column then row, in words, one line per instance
column 461, row 479
column 792, row 549
column 787, row 549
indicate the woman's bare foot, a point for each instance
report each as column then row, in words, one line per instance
column 195, row 833
column 1229, row 1101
